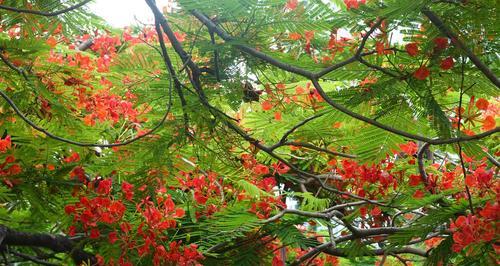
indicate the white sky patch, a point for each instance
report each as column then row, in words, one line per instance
column 121, row 13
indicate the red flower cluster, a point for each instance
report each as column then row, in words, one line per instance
column 101, row 209
column 368, row 181
column 203, row 186
column 476, row 229
column 5, row 144
column 154, row 218
column 9, row 167
column 481, row 178
column 105, row 106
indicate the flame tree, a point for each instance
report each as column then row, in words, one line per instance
column 257, row 132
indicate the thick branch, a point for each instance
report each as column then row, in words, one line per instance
column 396, row 131
column 57, row 243
column 43, row 13
column 251, row 51
column 421, row 165
column 406, row 250
column 314, row 78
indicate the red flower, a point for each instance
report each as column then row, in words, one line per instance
column 179, row 213
column 409, row 148
column 267, row 105
column 69, row 209
column 71, row 230
column 415, row 180
column 127, row 190
column 51, row 41
column 261, row 169
column 94, row 233
column 291, row 4
column 376, row 211
column 277, row 116
column 104, row 186
column 422, row 73
column 441, row 43
column 5, row 144
column 447, row 63
column 281, row 168
column 482, row 104
column 469, row 230
column 112, row 237
column 418, row 194
column 294, row 36
column 200, row 198
column 489, row 123
column 412, row 49
column 353, row 3
column 73, row 158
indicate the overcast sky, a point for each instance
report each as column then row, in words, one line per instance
column 121, row 13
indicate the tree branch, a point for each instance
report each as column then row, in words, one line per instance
column 42, row 13
column 57, row 243
column 460, row 45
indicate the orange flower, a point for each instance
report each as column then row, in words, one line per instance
column 489, row 123
column 51, row 41
column 277, row 116
column 267, row 105
column 482, row 104
column 294, row 36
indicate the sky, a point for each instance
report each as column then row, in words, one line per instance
column 121, row 13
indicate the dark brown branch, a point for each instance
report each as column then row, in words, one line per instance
column 251, row 51
column 314, row 78
column 186, row 59
column 396, row 131
column 43, row 13
column 12, row 66
column 365, row 38
column 57, row 243
column 32, row 258
column 406, row 250
column 381, row 69
column 345, row 205
column 216, row 56
column 460, row 45
column 311, row 253
column 171, row 71
column 421, row 165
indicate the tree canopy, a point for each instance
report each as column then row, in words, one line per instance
column 250, row 132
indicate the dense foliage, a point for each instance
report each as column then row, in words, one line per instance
column 252, row 132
